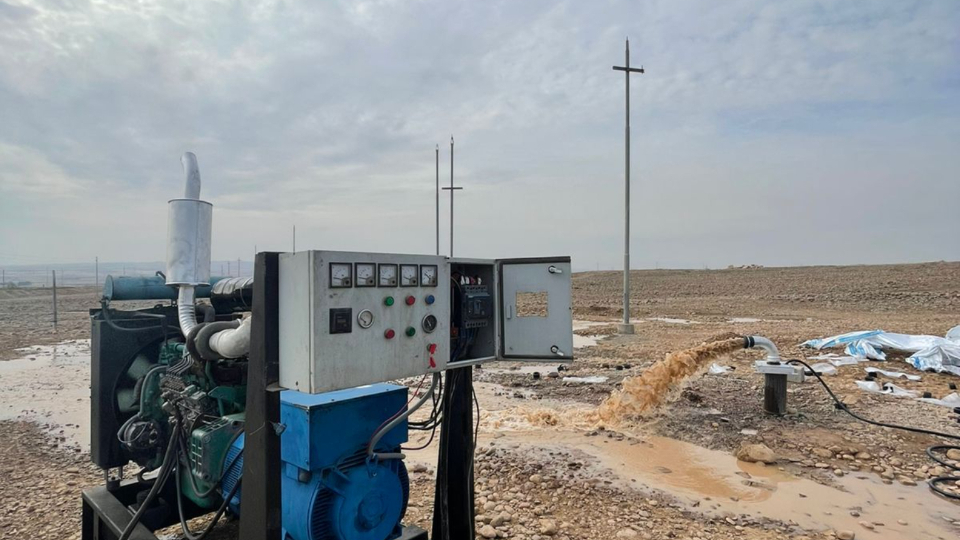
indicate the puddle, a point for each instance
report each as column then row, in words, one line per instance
column 579, row 341
column 715, row 482
column 50, row 385
column 670, row 320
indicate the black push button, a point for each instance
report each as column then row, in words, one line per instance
column 341, row 320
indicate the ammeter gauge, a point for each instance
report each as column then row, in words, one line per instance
column 341, row 275
column 428, row 275
column 366, row 274
column 408, row 275
column 388, row 275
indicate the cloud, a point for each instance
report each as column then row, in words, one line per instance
column 753, row 119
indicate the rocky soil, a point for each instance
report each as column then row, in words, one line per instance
column 556, row 492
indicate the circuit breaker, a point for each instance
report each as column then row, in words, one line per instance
column 349, row 319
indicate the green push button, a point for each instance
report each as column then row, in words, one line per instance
column 411, row 331
column 388, row 301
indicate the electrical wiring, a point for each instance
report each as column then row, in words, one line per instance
column 934, row 483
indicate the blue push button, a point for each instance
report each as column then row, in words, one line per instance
column 430, row 299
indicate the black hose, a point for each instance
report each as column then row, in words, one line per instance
column 931, row 451
column 169, row 459
column 105, row 310
column 202, row 339
column 223, row 474
column 187, row 533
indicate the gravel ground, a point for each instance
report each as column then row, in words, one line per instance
column 539, row 492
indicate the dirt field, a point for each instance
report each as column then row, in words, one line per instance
column 543, row 473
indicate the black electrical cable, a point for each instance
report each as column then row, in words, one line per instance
column 169, row 459
column 187, row 533
column 223, row 474
column 931, row 451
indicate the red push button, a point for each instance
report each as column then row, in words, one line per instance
column 411, row 300
column 432, row 348
column 389, row 333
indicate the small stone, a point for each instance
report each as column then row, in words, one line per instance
column 906, row 481
column 488, row 532
column 902, row 522
column 837, row 472
column 866, row 525
column 953, row 454
column 627, row 533
column 548, row 527
column 863, row 455
column 756, row 453
column 846, row 535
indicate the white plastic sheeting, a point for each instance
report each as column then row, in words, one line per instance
column 893, row 374
column 941, row 354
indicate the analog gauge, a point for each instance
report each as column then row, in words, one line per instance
column 365, row 318
column 341, row 275
column 429, row 323
column 408, row 275
column 388, row 275
column 366, row 275
column 428, row 275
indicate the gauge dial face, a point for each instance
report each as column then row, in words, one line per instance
column 408, row 275
column 341, row 275
column 388, row 275
column 429, row 323
column 428, row 275
column 365, row 318
column 366, row 275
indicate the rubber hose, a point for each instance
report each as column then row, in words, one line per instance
column 202, row 341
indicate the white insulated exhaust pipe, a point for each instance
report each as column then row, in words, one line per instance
column 189, row 233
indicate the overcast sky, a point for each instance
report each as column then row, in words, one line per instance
column 764, row 132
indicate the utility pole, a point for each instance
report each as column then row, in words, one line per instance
column 54, row 272
column 438, row 199
column 626, row 327
column 451, row 189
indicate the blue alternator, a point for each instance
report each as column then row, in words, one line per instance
column 355, row 500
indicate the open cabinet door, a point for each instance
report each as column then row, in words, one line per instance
column 536, row 318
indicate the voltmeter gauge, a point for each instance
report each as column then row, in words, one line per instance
column 428, row 275
column 366, row 274
column 341, row 275
column 429, row 323
column 365, row 318
column 388, row 275
column 408, row 275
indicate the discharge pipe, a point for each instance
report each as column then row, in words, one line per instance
column 773, row 355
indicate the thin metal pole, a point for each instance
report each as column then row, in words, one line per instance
column 451, row 195
column 626, row 203
column 438, row 199
column 54, row 272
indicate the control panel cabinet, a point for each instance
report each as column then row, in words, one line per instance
column 350, row 319
column 532, row 317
